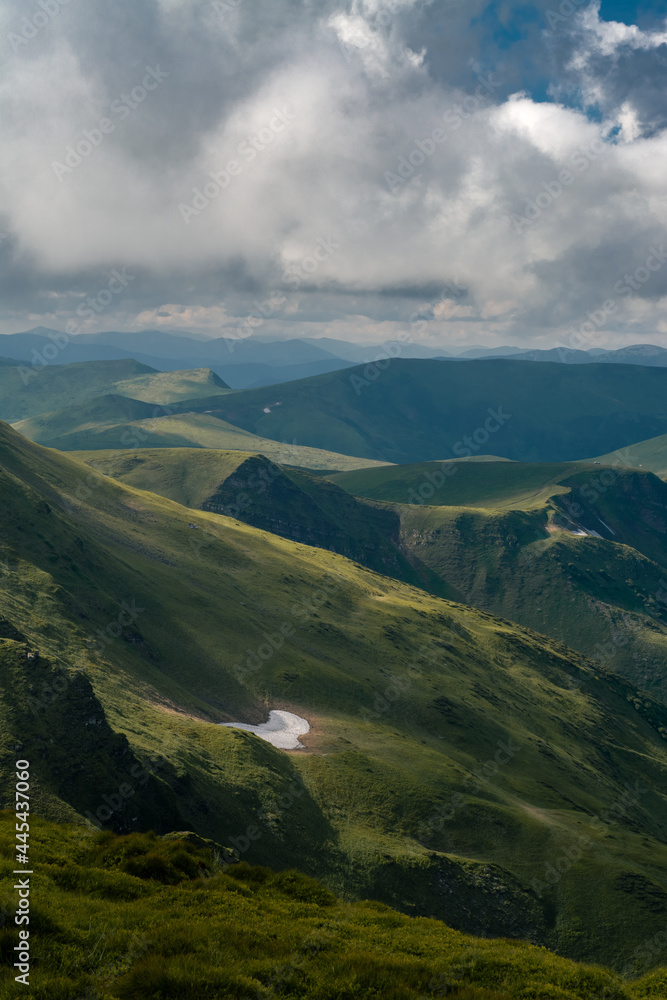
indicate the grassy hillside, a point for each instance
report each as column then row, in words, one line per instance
column 416, row 410
column 27, row 391
column 577, row 552
column 146, row 918
column 190, row 430
column 650, row 455
column 286, row 501
column 61, row 428
column 458, row 766
column 169, row 387
column 493, row 484
column 550, row 546
column 116, row 422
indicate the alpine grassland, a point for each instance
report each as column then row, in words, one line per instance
column 29, row 389
column 410, row 410
column 575, row 551
column 650, row 455
column 458, row 767
column 138, row 916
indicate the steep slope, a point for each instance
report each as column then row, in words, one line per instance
column 286, row 501
column 458, row 766
column 413, row 410
column 577, row 552
column 521, row 541
column 148, row 917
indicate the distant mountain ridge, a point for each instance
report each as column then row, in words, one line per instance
column 254, row 362
column 419, row 410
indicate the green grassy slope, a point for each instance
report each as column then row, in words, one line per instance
column 492, row 484
column 520, row 541
column 145, row 918
column 169, row 387
column 509, row 538
column 286, row 501
column 63, row 428
column 650, row 455
column 116, row 422
column 195, row 430
column 603, row 598
column 459, row 766
column 26, row 392
column 421, row 410
column 30, row 391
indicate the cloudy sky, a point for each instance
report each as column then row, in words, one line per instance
column 350, row 167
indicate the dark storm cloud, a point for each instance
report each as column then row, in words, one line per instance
column 359, row 159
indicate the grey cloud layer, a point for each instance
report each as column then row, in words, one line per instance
column 406, row 140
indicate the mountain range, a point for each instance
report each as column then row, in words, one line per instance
column 247, row 362
column 454, row 570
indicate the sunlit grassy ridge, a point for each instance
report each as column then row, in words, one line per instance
column 459, row 766
column 506, row 537
column 144, row 918
column 116, row 422
column 650, row 455
column 491, row 484
column 286, row 501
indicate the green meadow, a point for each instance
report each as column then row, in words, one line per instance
column 458, row 767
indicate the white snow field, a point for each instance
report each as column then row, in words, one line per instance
column 282, row 730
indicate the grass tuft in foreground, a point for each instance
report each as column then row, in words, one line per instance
column 142, row 917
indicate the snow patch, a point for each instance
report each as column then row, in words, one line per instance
column 282, row 730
